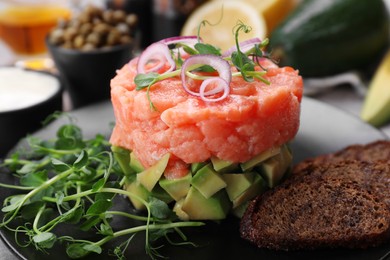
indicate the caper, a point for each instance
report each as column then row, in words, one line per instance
column 86, row 28
column 125, row 39
column 119, row 16
column 113, row 37
column 95, row 28
column 78, row 42
column 70, row 33
column 101, row 28
column 108, row 16
column 88, row 47
column 57, row 36
column 123, row 28
column 131, row 20
column 94, row 38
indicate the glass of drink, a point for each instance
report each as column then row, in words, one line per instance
column 24, row 24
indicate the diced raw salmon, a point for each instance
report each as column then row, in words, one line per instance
column 253, row 118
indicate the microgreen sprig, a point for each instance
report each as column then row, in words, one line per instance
column 244, row 61
column 73, row 181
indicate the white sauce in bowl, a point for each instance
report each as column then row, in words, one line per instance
column 20, row 88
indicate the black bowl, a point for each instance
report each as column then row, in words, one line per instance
column 86, row 75
column 17, row 123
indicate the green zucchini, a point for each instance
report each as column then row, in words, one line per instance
column 325, row 37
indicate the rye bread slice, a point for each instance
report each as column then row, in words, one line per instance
column 368, row 164
column 372, row 152
column 373, row 176
column 316, row 211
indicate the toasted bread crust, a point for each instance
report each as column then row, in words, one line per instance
column 334, row 200
column 372, row 152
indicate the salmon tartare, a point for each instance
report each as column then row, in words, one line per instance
column 255, row 117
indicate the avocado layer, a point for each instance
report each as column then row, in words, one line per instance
column 211, row 189
column 208, row 181
column 177, row 188
column 198, row 207
column 152, row 175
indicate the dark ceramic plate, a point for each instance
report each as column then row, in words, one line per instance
column 323, row 129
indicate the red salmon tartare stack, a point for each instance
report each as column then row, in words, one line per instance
column 234, row 123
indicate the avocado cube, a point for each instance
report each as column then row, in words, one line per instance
column 240, row 210
column 180, row 213
column 161, row 194
column 197, row 166
column 237, row 183
column 287, row 158
column 135, row 164
column 261, row 157
column 274, row 168
column 208, row 181
column 177, row 188
column 139, row 191
column 152, row 175
column 223, row 166
column 122, row 156
column 198, row 207
column 258, row 186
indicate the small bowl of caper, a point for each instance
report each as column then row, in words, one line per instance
column 89, row 48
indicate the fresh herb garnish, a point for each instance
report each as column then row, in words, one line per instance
column 245, row 61
column 73, row 181
column 204, row 48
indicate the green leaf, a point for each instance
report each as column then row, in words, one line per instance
column 98, row 185
column 48, row 192
column 45, row 240
column 30, row 211
column 76, row 250
column 89, row 223
column 28, row 168
column 99, row 207
column 10, row 207
column 33, row 179
column 93, row 248
column 189, row 50
column 81, row 160
column 69, row 137
column 60, row 197
column 75, row 216
column 204, row 48
column 14, row 203
column 59, row 165
column 159, row 208
column 105, row 230
column 243, row 64
column 70, row 131
column 145, row 80
column 104, row 196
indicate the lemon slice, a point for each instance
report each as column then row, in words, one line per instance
column 376, row 106
column 274, row 11
column 221, row 32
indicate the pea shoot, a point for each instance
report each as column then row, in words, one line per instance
column 244, row 61
column 72, row 181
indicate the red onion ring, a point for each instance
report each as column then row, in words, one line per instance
column 222, row 86
column 244, row 46
column 189, row 40
column 183, row 39
column 219, row 64
column 156, row 51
